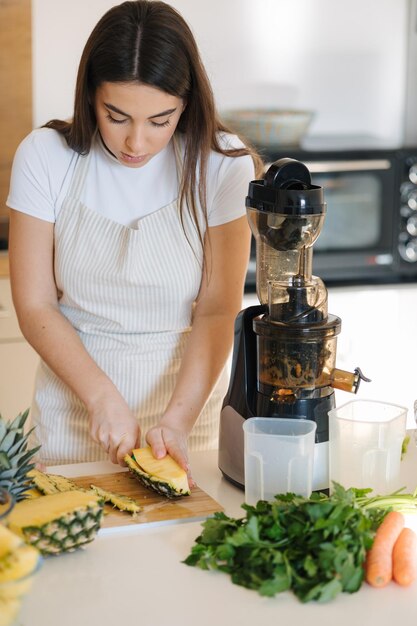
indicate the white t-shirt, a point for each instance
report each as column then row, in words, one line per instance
column 44, row 164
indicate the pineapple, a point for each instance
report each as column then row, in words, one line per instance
column 52, row 523
column 162, row 475
column 8, row 541
column 15, row 458
column 33, row 493
column 18, row 562
column 51, row 483
column 57, row 523
column 121, row 502
column 9, row 610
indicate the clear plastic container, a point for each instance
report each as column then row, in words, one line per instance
column 365, row 441
column 279, row 457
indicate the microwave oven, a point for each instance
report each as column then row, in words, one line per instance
column 370, row 229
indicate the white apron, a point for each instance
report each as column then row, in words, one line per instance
column 129, row 294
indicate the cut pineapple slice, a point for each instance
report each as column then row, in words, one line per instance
column 8, row 541
column 16, row 567
column 162, row 475
column 31, row 494
column 59, row 522
column 9, row 610
column 19, row 563
column 121, row 502
column 51, row 483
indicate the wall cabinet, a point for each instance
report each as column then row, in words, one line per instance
column 18, row 360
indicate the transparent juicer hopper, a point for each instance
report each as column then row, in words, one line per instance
column 296, row 339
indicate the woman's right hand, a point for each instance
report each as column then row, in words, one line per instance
column 114, row 428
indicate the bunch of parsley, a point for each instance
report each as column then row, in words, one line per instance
column 314, row 546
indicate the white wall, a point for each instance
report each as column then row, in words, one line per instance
column 344, row 60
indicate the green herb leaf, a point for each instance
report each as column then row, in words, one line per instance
column 314, row 546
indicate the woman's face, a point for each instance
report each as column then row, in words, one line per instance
column 136, row 121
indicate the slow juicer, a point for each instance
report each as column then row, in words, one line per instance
column 285, row 348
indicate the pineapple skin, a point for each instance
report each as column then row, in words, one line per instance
column 163, row 476
column 58, row 523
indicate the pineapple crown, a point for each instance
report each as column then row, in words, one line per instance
column 15, row 457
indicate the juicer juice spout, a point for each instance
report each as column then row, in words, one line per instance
column 347, row 381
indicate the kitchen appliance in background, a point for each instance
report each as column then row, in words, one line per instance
column 285, row 348
column 370, row 232
column 410, row 118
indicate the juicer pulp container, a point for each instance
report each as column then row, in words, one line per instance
column 278, row 457
column 365, row 442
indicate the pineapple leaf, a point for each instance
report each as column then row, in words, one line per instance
column 14, row 456
column 8, row 439
column 19, row 420
column 15, row 449
column 23, row 417
column 4, row 461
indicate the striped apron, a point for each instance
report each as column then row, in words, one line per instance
column 129, row 293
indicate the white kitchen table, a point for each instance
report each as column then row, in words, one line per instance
column 135, row 576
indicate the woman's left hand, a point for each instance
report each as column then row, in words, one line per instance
column 167, row 440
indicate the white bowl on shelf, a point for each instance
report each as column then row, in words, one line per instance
column 269, row 127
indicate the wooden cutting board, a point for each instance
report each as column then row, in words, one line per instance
column 155, row 508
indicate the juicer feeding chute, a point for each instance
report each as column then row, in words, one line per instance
column 285, row 348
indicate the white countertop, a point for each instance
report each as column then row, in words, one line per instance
column 136, row 576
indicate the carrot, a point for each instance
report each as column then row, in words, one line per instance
column 378, row 566
column 404, row 558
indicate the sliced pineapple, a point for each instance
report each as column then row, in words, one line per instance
column 8, row 541
column 59, row 522
column 162, row 475
column 9, row 610
column 121, row 502
column 33, row 493
column 51, row 483
column 19, row 563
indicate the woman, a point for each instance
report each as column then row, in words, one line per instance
column 129, row 245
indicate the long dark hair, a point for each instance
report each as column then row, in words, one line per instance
column 149, row 42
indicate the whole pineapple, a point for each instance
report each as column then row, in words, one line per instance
column 15, row 458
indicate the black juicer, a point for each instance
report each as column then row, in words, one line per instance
column 285, row 348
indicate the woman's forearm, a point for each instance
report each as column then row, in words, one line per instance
column 204, row 359
column 59, row 345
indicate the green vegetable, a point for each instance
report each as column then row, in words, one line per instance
column 403, row 502
column 314, row 546
column 404, row 446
